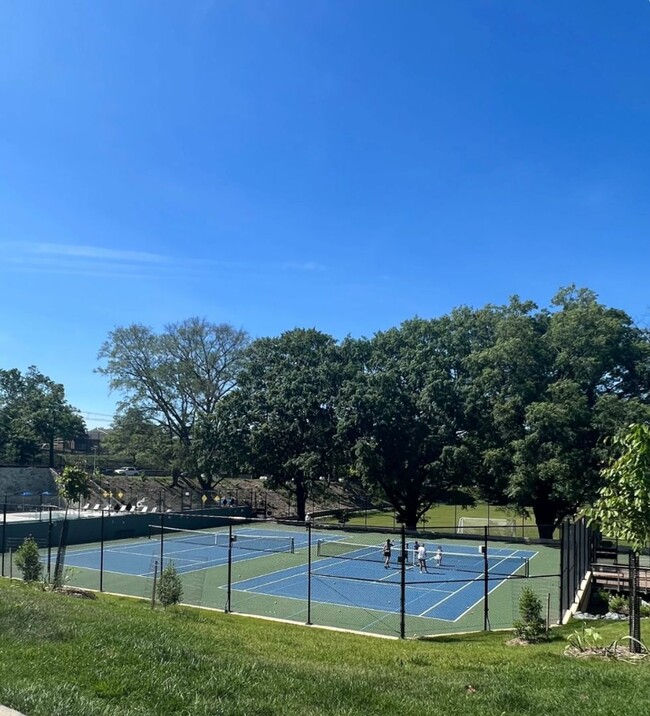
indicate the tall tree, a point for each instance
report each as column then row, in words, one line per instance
column 552, row 383
column 281, row 418
column 175, row 378
column 403, row 416
column 34, row 412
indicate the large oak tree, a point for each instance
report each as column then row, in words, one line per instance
column 176, row 379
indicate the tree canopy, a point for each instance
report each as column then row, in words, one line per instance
column 175, row 378
column 34, row 413
column 508, row 402
column 281, row 418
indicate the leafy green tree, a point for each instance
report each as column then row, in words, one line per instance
column 33, row 412
column 170, row 586
column 73, row 483
column 28, row 560
column 622, row 507
column 549, row 386
column 175, row 378
column 137, row 439
column 281, row 422
column 402, row 415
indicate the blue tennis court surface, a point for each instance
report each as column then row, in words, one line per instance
column 446, row 592
column 139, row 558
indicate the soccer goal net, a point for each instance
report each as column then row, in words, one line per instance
column 477, row 525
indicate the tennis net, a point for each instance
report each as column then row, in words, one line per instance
column 240, row 540
column 506, row 565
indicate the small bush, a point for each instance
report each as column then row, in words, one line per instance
column 28, row 560
column 619, row 604
column 170, row 586
column 531, row 627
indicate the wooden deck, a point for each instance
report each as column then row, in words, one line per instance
column 616, row 577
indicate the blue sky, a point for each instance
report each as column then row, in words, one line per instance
column 342, row 164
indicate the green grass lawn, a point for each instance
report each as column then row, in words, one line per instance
column 448, row 516
column 62, row 656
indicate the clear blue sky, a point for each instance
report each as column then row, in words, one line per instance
column 342, row 164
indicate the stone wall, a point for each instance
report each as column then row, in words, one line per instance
column 16, row 480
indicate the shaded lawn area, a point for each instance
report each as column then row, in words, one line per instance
column 112, row 656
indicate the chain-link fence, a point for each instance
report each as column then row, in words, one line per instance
column 386, row 581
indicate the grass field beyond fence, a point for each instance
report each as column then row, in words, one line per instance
column 117, row 657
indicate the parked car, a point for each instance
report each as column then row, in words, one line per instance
column 127, row 471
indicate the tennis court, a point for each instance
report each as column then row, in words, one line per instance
column 445, row 591
column 347, row 586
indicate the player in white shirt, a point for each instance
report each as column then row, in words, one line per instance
column 422, row 558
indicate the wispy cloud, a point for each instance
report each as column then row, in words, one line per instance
column 89, row 260
column 95, row 252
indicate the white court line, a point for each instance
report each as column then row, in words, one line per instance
column 481, row 578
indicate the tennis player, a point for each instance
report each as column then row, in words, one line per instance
column 416, row 547
column 422, row 558
column 438, row 556
column 387, row 551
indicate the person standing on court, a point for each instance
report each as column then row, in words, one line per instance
column 416, row 547
column 438, row 556
column 387, row 550
column 422, row 558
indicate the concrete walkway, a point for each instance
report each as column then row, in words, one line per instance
column 4, row 711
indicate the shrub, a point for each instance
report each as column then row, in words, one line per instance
column 170, row 586
column 531, row 626
column 619, row 604
column 28, row 560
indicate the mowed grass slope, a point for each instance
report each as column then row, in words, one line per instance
column 62, row 656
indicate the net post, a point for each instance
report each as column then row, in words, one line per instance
column 309, row 572
column 11, row 565
column 486, row 582
column 402, row 600
column 228, row 594
column 101, row 551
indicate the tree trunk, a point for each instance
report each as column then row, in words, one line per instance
column 408, row 516
column 301, row 500
column 545, row 518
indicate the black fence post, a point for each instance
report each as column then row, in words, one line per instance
column 635, row 603
column 4, row 534
column 162, row 540
column 229, row 594
column 101, row 551
column 486, row 582
column 402, row 600
column 309, row 572
column 49, row 546
column 563, row 589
